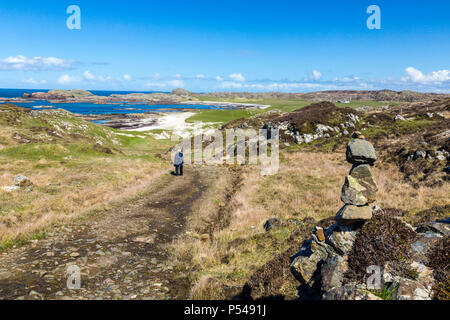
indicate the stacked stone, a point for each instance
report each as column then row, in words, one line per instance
column 323, row 259
column 360, row 188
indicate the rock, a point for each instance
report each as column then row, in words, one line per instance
column 441, row 227
column 145, row 239
column 320, row 234
column 421, row 247
column 350, row 291
column 399, row 117
column 180, row 92
column 360, row 152
column 357, row 135
column 360, row 187
column 350, row 214
column 419, row 154
column 306, row 264
column 411, row 290
column 272, row 223
column 22, row 181
column 440, row 155
column 332, row 271
column 342, row 237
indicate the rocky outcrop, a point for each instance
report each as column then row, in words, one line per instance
column 316, row 121
column 70, row 96
column 180, row 92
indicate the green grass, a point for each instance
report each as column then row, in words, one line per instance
column 283, row 105
column 223, row 115
column 386, row 292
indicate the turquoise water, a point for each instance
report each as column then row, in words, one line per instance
column 92, row 108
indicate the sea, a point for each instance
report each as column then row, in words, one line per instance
column 92, row 108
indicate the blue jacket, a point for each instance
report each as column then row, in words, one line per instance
column 178, row 161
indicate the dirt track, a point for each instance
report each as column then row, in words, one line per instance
column 122, row 252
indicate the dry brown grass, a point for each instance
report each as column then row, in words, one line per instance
column 307, row 185
column 64, row 191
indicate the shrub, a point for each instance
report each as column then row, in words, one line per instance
column 383, row 238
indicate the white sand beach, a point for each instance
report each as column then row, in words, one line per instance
column 176, row 123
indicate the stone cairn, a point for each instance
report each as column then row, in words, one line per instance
column 360, row 188
column 323, row 258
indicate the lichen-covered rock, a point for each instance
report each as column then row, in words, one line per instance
column 408, row 289
column 360, row 187
column 332, row 271
column 306, row 265
column 22, row 181
column 360, row 151
column 350, row 214
column 343, row 237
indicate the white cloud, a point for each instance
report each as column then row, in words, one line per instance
column 416, row 76
column 67, row 79
column 219, row 78
column 178, row 76
column 200, row 76
column 33, row 81
column 126, row 77
column 237, row 77
column 23, row 63
column 316, row 75
column 230, row 84
column 274, row 86
column 88, row 76
column 156, row 85
column 176, row 83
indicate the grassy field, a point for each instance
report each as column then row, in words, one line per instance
column 75, row 166
column 284, row 105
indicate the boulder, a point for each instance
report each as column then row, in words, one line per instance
column 306, row 264
column 332, row 271
column 272, row 224
column 408, row 289
column 22, row 181
column 180, row 92
column 350, row 214
column 360, row 187
column 343, row 237
column 360, row 151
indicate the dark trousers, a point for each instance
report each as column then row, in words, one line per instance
column 179, row 170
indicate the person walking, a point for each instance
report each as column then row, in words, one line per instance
column 178, row 163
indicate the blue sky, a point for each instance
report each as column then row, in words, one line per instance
column 291, row 46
